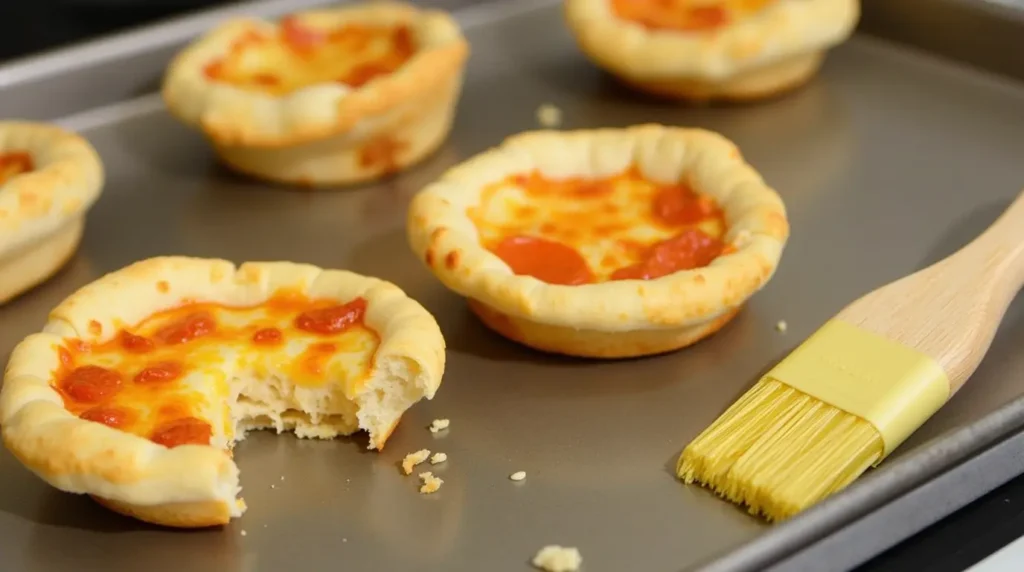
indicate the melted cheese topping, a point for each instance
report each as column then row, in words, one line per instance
column 686, row 15
column 14, row 163
column 299, row 56
column 613, row 222
column 231, row 368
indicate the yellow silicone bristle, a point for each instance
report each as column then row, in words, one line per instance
column 778, row 451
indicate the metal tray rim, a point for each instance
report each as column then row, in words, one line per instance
column 180, row 29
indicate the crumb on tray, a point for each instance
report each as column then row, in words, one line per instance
column 413, row 459
column 556, row 558
column 549, row 116
column 439, row 425
column 781, row 326
column 518, row 475
column 438, row 458
column 430, row 483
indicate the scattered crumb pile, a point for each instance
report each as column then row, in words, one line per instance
column 556, row 558
column 549, row 116
column 518, row 475
column 430, row 483
column 413, row 459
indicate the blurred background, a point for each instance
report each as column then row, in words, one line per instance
column 34, row 25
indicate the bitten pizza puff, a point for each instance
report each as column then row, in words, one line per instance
column 602, row 243
column 141, row 382
column 711, row 49
column 334, row 96
column 49, row 179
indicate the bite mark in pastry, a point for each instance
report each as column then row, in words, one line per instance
column 49, row 178
column 711, row 49
column 334, row 96
column 604, row 242
column 141, row 382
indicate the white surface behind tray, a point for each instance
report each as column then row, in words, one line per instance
column 1009, row 559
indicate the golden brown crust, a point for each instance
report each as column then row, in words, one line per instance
column 420, row 128
column 316, row 135
column 645, row 316
column 757, row 56
column 194, row 485
column 202, row 514
column 593, row 343
column 763, row 83
column 42, row 211
column 36, row 264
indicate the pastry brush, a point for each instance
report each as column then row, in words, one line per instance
column 863, row 382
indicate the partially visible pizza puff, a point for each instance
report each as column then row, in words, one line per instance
column 703, row 50
column 49, row 179
column 327, row 97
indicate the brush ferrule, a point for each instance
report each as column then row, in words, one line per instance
column 891, row 386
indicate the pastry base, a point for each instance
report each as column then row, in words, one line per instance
column 395, row 142
column 760, row 83
column 202, row 514
column 592, row 343
column 179, row 515
column 41, row 260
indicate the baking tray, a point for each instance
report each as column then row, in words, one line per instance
column 889, row 160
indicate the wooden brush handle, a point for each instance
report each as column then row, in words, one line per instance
column 951, row 310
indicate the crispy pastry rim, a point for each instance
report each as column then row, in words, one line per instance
column 441, row 233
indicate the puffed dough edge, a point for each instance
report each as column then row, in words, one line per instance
column 36, row 263
column 779, row 32
column 66, row 182
column 138, row 476
column 236, row 117
column 442, row 234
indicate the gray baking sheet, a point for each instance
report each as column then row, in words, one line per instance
column 889, row 160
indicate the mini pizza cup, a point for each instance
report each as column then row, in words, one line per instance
column 273, row 115
column 612, row 318
column 722, row 52
column 49, row 178
column 194, row 484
